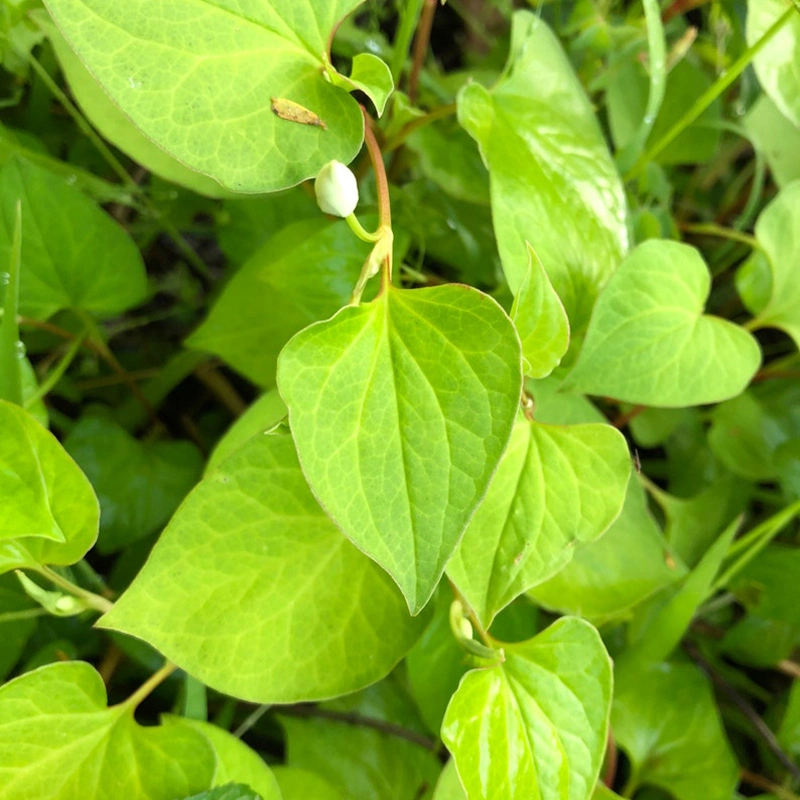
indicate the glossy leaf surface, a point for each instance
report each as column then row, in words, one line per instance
column 553, row 182
column 294, row 610
column 410, row 401
column 535, row 725
column 556, row 487
column 73, row 254
column 649, row 341
column 59, row 740
column 233, row 59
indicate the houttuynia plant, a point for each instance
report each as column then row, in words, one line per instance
column 399, row 400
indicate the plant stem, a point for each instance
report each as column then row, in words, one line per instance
column 421, row 43
column 416, row 124
column 91, row 599
column 251, row 720
column 612, row 758
column 360, row 231
column 55, row 375
column 28, row 613
column 354, row 718
column 709, row 96
column 790, row 668
column 710, row 229
column 10, row 372
column 760, row 782
column 155, row 680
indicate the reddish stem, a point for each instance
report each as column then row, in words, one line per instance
column 421, row 44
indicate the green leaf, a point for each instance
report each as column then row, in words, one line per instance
column 666, row 721
column 449, row 786
column 607, row 578
column 664, row 620
column 778, row 233
column 73, row 254
column 200, row 79
column 540, row 320
column 50, row 513
column 263, row 415
column 59, row 740
column 303, row 274
column 556, row 487
column 300, row 784
column 231, row 791
column 776, row 65
column 789, row 731
column 251, row 570
column 139, row 483
column 236, row 762
column 777, row 138
column 408, row 402
column 649, row 341
column 449, row 157
column 10, row 360
column 553, row 182
column 436, row 664
column 694, row 523
column 535, row 725
column 365, row 762
column 371, row 75
column 115, row 126
column 767, row 587
column 18, row 615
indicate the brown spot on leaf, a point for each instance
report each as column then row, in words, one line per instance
column 294, row 112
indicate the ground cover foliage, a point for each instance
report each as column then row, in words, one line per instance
column 488, row 490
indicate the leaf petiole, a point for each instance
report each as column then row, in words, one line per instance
column 360, row 231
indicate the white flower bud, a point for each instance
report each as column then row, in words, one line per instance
column 336, row 189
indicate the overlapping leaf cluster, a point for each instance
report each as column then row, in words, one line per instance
column 514, row 517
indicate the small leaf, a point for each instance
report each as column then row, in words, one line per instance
column 553, row 182
column 778, row 233
column 536, row 725
column 251, row 567
column 59, row 740
column 649, row 342
column 408, row 401
column 50, row 514
column 73, row 254
column 666, row 720
column 198, row 78
column 236, row 762
column 776, row 65
column 371, row 75
column 540, row 320
column 556, row 487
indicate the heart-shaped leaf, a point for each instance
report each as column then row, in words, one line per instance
column 251, row 566
column 776, row 65
column 556, row 486
column 553, row 181
column 666, row 720
column 536, row 725
column 540, row 320
column 50, row 513
column 73, row 254
column 235, row 91
column 410, row 401
column 370, row 75
column 59, row 740
column 778, row 233
column 649, row 342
